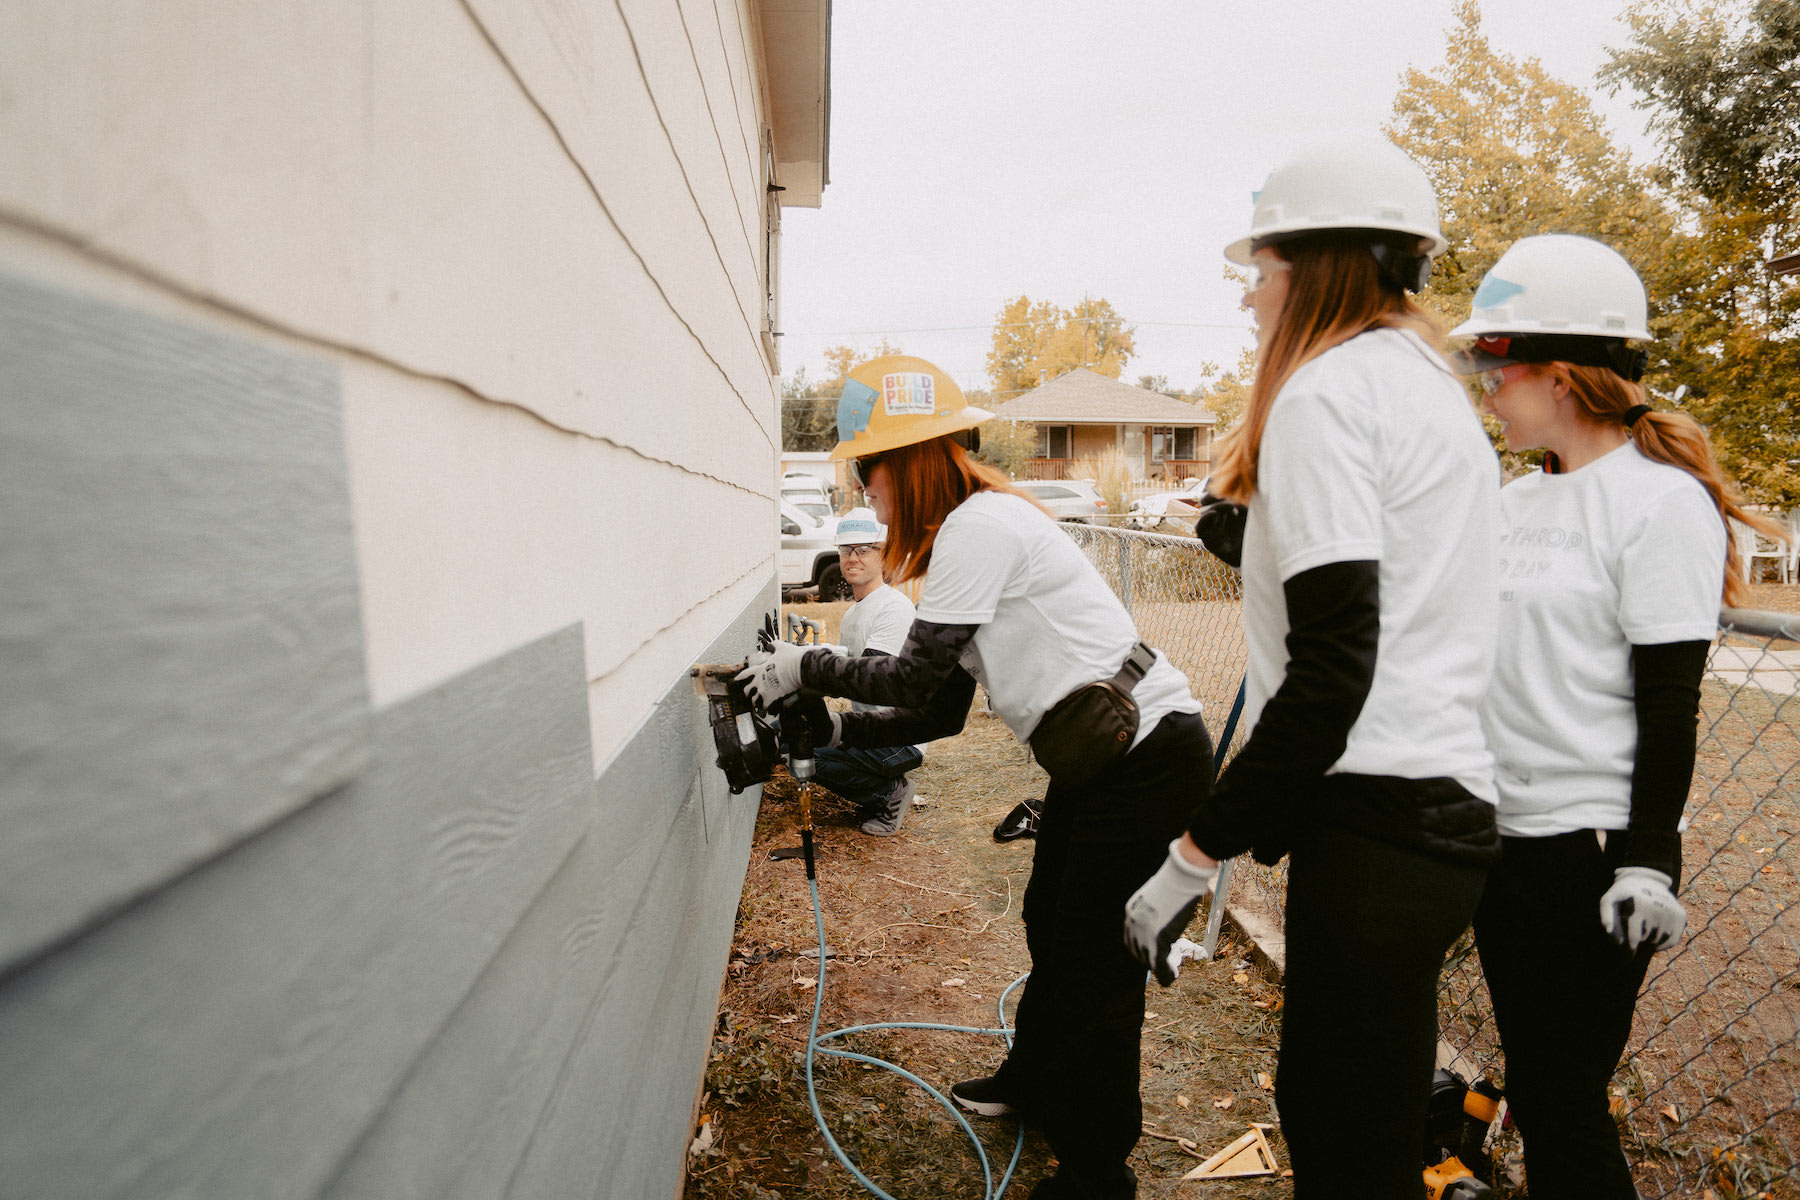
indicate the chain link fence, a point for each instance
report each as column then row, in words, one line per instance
column 1708, row 1096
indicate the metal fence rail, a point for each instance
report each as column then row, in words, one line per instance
column 1708, row 1096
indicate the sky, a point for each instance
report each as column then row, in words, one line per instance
column 983, row 149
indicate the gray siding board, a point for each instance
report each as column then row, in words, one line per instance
column 239, row 1032
column 571, row 1068
column 181, row 655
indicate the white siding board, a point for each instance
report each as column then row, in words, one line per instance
column 679, row 218
column 480, row 528
column 738, row 121
column 235, row 1034
column 427, row 213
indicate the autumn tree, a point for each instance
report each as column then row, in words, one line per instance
column 1037, row 340
column 1723, row 90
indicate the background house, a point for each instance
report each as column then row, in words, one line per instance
column 362, row 833
column 1081, row 414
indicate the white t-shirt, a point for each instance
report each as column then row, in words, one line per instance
column 1625, row 550
column 1048, row 622
column 879, row 621
column 1372, row 451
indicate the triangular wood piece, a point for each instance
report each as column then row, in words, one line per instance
column 1249, row 1155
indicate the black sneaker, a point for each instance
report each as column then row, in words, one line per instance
column 1022, row 821
column 984, row 1097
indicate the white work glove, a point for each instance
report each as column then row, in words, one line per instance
column 1158, row 913
column 773, row 673
column 1639, row 909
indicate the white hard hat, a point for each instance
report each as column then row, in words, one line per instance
column 858, row 527
column 1354, row 183
column 1557, row 284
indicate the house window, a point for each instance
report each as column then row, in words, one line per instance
column 1174, row 442
column 1053, row 441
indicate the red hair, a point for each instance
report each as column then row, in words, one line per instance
column 927, row 480
column 1335, row 292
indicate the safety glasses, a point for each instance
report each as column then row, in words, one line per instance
column 1491, row 381
column 1261, row 271
column 858, row 551
column 862, row 468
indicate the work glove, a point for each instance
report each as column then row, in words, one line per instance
column 1220, row 527
column 1159, row 912
column 773, row 673
column 769, row 634
column 826, row 727
column 1639, row 909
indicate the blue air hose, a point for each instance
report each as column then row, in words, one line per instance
column 815, row 1040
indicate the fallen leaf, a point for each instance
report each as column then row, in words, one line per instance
column 1259, row 1004
column 951, row 983
column 1240, row 977
column 1616, row 1105
column 1263, row 1081
column 1669, row 1112
column 963, row 961
column 1183, row 1101
column 806, row 982
column 703, row 1140
column 1224, row 1101
column 1149, row 1016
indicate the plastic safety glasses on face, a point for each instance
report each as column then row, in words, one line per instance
column 1491, row 381
column 862, row 468
column 859, row 551
column 1261, row 271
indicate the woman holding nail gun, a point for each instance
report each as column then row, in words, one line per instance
column 1011, row 601
column 1613, row 560
column 1369, row 616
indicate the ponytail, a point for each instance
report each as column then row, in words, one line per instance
column 1673, row 438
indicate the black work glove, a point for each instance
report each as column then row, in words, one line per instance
column 1220, row 527
column 825, row 726
column 769, row 634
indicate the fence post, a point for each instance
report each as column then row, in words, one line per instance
column 1125, row 574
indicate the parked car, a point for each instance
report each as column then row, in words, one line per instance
column 1067, row 499
column 809, row 556
column 1147, row 512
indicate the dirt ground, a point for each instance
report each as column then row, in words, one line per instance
column 924, row 926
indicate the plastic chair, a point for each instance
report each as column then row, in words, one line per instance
column 1753, row 547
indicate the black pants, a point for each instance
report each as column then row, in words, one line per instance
column 1563, row 995
column 1368, row 925
column 1075, row 1050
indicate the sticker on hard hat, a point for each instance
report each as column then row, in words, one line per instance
column 855, row 404
column 908, row 392
column 1495, row 291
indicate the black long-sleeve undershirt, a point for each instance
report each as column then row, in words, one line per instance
column 1666, row 695
column 925, row 687
column 1334, row 629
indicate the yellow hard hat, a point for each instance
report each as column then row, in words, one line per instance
column 897, row 400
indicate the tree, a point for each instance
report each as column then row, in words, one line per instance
column 1036, row 341
column 1226, row 398
column 1724, row 93
column 1512, row 151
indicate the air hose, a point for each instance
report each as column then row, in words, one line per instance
column 815, row 1040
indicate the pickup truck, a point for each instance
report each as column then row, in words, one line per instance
column 809, row 557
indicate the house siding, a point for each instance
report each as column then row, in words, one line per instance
column 363, row 837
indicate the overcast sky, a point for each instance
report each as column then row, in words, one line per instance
column 1059, row 148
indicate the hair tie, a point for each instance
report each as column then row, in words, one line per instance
column 1633, row 413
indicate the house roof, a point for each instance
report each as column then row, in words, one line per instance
column 1084, row 398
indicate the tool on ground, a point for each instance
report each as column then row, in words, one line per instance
column 1249, row 1155
column 1021, row 822
column 1457, row 1121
